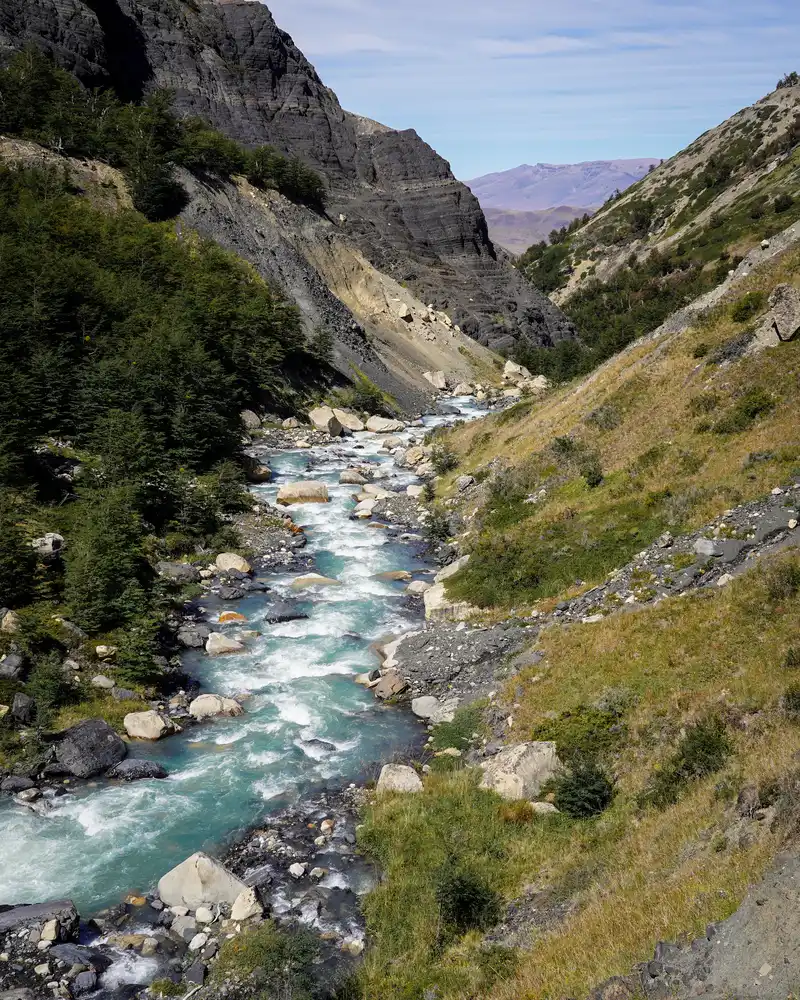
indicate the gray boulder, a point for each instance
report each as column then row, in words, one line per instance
column 14, row 783
column 78, row 954
column 136, row 770
column 27, row 914
column 178, row 572
column 193, row 635
column 84, row 982
column 23, row 709
column 12, row 667
column 90, row 748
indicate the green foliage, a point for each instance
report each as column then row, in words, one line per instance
column 584, row 733
column 790, row 80
column 17, row 560
column 748, row 306
column 783, row 203
column 783, row 580
column 465, row 900
column 606, row 417
column 437, row 527
column 49, row 687
column 792, row 659
column 791, row 699
column 702, row 751
column 753, row 404
column 166, row 988
column 280, row 960
column 467, row 720
column 265, row 167
column 106, row 571
column 544, row 266
column 444, row 459
column 585, row 790
column 592, row 470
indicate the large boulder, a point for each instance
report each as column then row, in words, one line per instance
column 178, row 572
column 437, row 379
column 324, row 419
column 438, row 606
column 206, row 706
column 90, row 748
column 218, row 644
column 391, row 684
column 351, row 477
column 385, row 425
column 49, row 546
column 463, row 389
column 250, row 420
column 416, row 455
column 136, row 770
column 28, row 915
column 23, row 709
column 227, row 561
column 518, row 772
column 314, row 580
column 307, row 492
column 515, row 373
column 150, row 725
column 193, row 635
column 348, row 420
column 398, row 778
column 12, row 667
column 450, row 570
column 246, row 906
column 199, row 881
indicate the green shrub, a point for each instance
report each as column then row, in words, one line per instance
column 468, row 719
column 704, row 402
column 17, row 559
column 437, row 527
column 792, row 658
column 748, row 306
column 783, row 580
column 585, row 733
column 50, row 687
column 702, row 751
column 592, row 471
column 265, row 167
column 465, row 900
column 783, row 203
column 791, row 699
column 585, row 790
column 280, row 960
column 700, row 350
column 166, row 988
column 607, row 417
column 444, row 459
column 753, row 404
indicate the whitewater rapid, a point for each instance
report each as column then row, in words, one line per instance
column 104, row 840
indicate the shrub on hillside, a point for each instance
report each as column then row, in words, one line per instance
column 791, row 700
column 585, row 790
column 50, row 687
column 281, row 961
column 17, row 560
column 465, row 901
column 790, row 80
column 703, row 750
column 584, row 733
column 783, row 580
column 753, row 404
column 783, row 203
column 444, row 459
column 748, row 306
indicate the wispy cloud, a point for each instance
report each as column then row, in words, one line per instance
column 491, row 85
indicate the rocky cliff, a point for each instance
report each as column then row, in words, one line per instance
column 391, row 195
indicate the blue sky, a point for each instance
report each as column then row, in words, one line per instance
column 495, row 83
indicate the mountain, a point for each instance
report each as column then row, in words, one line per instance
column 678, row 233
column 516, row 231
column 398, row 223
column 543, row 185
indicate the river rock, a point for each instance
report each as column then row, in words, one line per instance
column 78, row 954
column 199, row 881
column 193, row 635
column 385, row 425
column 246, row 906
column 84, row 982
column 49, row 546
column 437, row 379
column 290, row 424
column 136, row 770
column 306, row 492
column 518, row 772
column 218, row 644
column 283, row 611
column 398, row 778
column 227, row 561
column 149, row 725
column 178, row 572
column 348, row 420
column 90, row 748
column 463, row 389
column 324, row 419
column 23, row 709
column 515, row 373
column 259, row 474
column 28, row 915
column 314, row 580
column 425, row 706
column 415, row 455
column 208, row 705
column 418, row 588
column 350, row 477
column 14, row 784
column 250, row 420
column 391, row 684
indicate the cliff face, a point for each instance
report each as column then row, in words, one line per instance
column 390, row 193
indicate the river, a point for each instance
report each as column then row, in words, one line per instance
column 104, row 840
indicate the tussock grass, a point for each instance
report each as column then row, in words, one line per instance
column 637, row 873
column 674, row 442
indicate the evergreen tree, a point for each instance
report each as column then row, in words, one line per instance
column 17, row 559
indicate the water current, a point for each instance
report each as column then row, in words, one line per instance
column 104, row 839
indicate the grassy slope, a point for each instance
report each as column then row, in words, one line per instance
column 635, row 875
column 664, row 466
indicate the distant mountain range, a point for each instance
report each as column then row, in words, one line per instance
column 545, row 185
column 524, row 204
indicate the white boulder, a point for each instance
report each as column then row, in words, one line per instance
column 227, row 561
column 451, row 569
column 205, row 706
column 351, row 477
column 218, row 644
column 324, row 419
column 251, row 420
column 199, row 881
column 518, row 772
column 398, row 778
column 148, row 725
column 307, row 492
column 348, row 420
column 385, row 425
column 246, row 906
column 437, row 379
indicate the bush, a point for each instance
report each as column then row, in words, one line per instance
column 792, row 659
column 702, row 751
column 607, row 417
column 468, row 719
column 753, row 404
column 518, row 813
column 748, row 306
column 585, row 733
column 50, row 687
column 783, row 580
column 592, row 471
column 584, row 791
column 265, row 167
column 17, row 559
column 437, row 527
column 790, row 80
column 444, row 459
column 465, row 901
column 281, row 961
column 783, row 203
column 791, row 699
